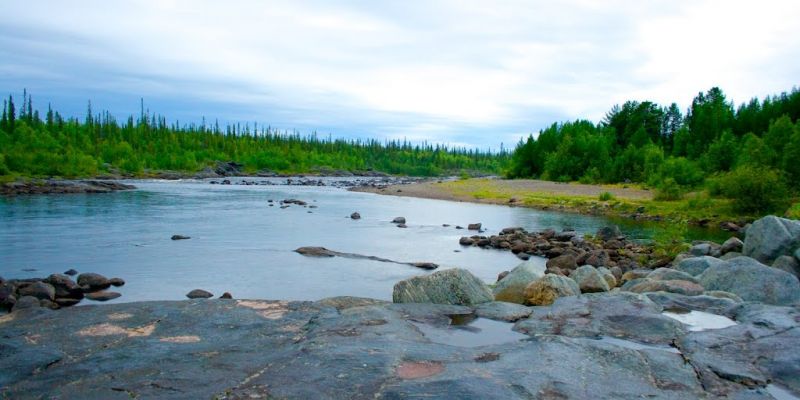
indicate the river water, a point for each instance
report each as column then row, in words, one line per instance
column 242, row 245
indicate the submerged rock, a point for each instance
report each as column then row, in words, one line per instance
column 180, row 237
column 752, row 281
column 314, row 251
column 92, row 282
column 399, row 220
column 545, row 290
column 355, row 215
column 103, row 295
column 453, row 286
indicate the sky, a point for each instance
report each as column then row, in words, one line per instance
column 464, row 73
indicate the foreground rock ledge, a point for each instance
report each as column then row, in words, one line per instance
column 366, row 349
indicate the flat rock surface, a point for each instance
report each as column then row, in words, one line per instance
column 234, row 349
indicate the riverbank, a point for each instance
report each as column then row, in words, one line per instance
column 626, row 201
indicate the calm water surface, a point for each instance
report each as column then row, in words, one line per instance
column 242, row 245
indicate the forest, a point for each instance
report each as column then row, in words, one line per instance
column 749, row 153
column 32, row 146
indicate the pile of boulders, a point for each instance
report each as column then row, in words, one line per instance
column 56, row 291
column 763, row 268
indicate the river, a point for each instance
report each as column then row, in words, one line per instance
column 241, row 244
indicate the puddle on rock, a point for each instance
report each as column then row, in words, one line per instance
column 700, row 320
column 636, row 345
column 468, row 331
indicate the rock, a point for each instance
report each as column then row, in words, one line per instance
column 590, row 280
column 608, row 232
column 91, row 282
column 402, row 226
column 226, row 296
column 788, row 264
column 399, row 220
column 453, row 286
column 180, row 237
column 355, row 215
column 502, row 275
column 624, row 315
column 26, row 302
column 71, row 272
column 116, row 282
column 502, row 311
column 617, row 272
column 474, row 227
column 199, row 294
column 7, row 296
column 312, row 251
column 675, row 286
column 545, row 290
column 732, row 244
column 609, row 277
column 771, row 237
column 64, row 286
column 465, row 241
column 425, row 265
column 598, row 258
column 66, row 301
column 669, row 274
column 730, row 256
column 681, row 303
column 752, row 281
column 39, row 290
column 511, row 288
column 723, row 295
column 565, row 235
column 564, row 262
column 103, row 295
column 699, row 250
column 696, row 265
column 346, row 302
column 635, row 274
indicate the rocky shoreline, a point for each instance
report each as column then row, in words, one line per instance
column 698, row 327
column 61, row 186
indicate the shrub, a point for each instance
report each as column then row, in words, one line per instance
column 793, row 212
column 670, row 240
column 669, row 190
column 606, row 196
column 753, row 190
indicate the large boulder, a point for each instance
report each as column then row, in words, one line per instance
column 771, row 237
column 453, row 286
column 788, row 264
column 512, row 287
column 696, row 265
column 732, row 244
column 609, row 276
column 545, row 290
column 752, row 281
column 590, row 280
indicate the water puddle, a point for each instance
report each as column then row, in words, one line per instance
column 701, row 321
column 780, row 393
column 466, row 331
column 636, row 345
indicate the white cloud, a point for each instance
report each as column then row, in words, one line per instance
column 449, row 71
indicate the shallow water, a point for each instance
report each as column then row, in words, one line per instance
column 475, row 333
column 700, row 320
column 242, row 245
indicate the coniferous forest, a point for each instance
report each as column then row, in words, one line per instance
column 750, row 153
column 32, row 145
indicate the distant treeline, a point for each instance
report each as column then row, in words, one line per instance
column 752, row 150
column 54, row 146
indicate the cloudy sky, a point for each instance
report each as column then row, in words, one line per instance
column 476, row 73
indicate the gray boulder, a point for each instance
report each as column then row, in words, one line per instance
column 730, row 256
column 669, row 274
column 699, row 250
column 545, row 290
column 771, row 237
column 647, row 285
column 453, row 286
column 590, row 280
column 609, row 276
column 26, row 302
column 788, row 264
column 752, row 281
column 607, row 233
column 696, row 265
column 512, row 287
column 399, row 220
